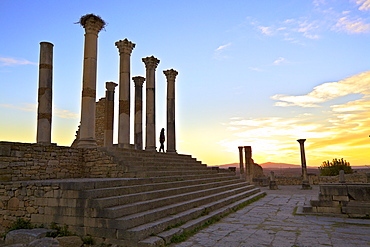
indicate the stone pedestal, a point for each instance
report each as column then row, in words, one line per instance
column 273, row 184
column 45, row 94
column 151, row 64
column 305, row 182
column 138, row 126
column 171, row 128
column 342, row 179
column 241, row 163
column 125, row 48
column 109, row 113
column 92, row 25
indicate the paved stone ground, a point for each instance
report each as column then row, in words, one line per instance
column 271, row 221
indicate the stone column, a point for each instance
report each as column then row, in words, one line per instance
column 125, row 48
column 241, row 163
column 171, row 128
column 109, row 113
column 138, row 127
column 305, row 182
column 92, row 24
column 248, row 163
column 342, row 178
column 151, row 64
column 45, row 94
column 273, row 184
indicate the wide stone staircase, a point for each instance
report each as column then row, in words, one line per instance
column 160, row 196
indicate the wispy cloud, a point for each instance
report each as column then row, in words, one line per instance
column 364, row 4
column 358, row 84
column 279, row 61
column 222, row 47
column 33, row 108
column 353, row 26
column 220, row 50
column 9, row 61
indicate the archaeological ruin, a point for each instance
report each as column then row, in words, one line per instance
column 126, row 194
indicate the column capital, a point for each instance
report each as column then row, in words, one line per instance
column 301, row 141
column 151, row 62
column 138, row 80
column 170, row 74
column 240, row 147
column 92, row 23
column 109, row 85
column 125, row 46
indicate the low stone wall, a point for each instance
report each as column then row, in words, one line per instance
column 24, row 161
column 314, row 179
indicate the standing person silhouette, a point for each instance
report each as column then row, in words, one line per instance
column 161, row 140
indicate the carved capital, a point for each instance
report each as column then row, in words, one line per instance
column 138, row 80
column 110, row 86
column 92, row 23
column 151, row 62
column 125, row 46
column 301, row 141
column 170, row 74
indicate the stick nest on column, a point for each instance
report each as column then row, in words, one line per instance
column 97, row 18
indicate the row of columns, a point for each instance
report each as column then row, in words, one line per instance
column 92, row 26
column 246, row 166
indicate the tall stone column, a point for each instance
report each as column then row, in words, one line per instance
column 92, row 25
column 109, row 113
column 151, row 64
column 125, row 48
column 241, row 163
column 171, row 128
column 45, row 94
column 248, row 163
column 305, row 182
column 138, row 127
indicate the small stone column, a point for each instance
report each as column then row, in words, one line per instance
column 151, row 64
column 92, row 25
column 342, row 179
column 171, row 128
column 305, row 182
column 109, row 113
column 125, row 48
column 45, row 94
column 273, row 184
column 138, row 126
column 248, row 163
column 241, row 163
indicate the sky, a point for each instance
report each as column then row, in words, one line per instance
column 251, row 73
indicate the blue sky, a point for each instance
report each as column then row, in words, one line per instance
column 259, row 73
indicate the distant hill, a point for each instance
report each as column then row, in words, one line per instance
column 265, row 165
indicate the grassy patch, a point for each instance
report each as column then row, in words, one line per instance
column 59, row 231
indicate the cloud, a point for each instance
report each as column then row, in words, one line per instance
column 222, row 47
column 279, row 61
column 364, row 4
column 33, row 108
column 357, row 84
column 8, row 61
column 353, row 26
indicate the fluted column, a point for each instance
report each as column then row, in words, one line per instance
column 45, row 94
column 125, row 48
column 109, row 113
column 171, row 128
column 138, row 126
column 241, row 163
column 151, row 64
column 305, row 182
column 92, row 25
column 248, row 163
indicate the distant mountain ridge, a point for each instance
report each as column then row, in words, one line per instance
column 272, row 165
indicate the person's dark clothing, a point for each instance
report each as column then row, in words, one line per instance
column 161, row 140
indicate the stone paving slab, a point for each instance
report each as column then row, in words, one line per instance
column 271, row 221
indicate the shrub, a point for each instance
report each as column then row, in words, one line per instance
column 332, row 168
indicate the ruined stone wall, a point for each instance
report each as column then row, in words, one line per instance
column 100, row 122
column 25, row 161
column 315, row 179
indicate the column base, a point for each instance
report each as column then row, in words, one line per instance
column 306, row 185
column 171, row 151
column 86, row 143
column 126, row 146
column 151, row 149
column 273, row 185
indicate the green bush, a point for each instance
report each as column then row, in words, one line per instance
column 332, row 168
column 60, row 231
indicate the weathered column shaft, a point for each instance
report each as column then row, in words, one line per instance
column 109, row 113
column 125, row 48
column 138, row 126
column 241, row 163
column 248, row 163
column 305, row 182
column 93, row 25
column 45, row 93
column 171, row 128
column 151, row 64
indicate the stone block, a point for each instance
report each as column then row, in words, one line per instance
column 359, row 192
column 5, row 150
column 24, row 236
column 69, row 241
column 333, row 190
column 341, row 198
column 50, row 242
column 335, row 210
